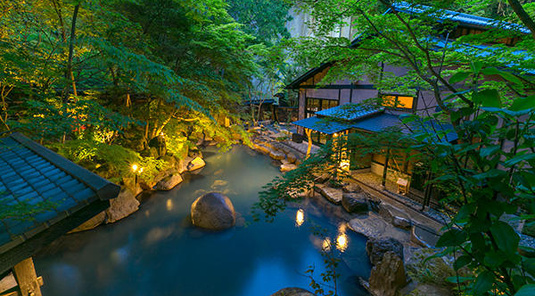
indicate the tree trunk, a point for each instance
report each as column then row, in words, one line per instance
column 309, row 136
column 523, row 16
column 385, row 168
column 70, row 74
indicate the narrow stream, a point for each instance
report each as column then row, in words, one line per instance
column 157, row 252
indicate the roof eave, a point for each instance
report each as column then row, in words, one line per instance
column 104, row 188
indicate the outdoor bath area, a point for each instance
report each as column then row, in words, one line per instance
column 156, row 251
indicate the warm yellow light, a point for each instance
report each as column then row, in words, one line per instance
column 300, row 217
column 134, row 167
column 345, row 164
column 342, row 228
column 169, row 205
column 140, row 170
column 341, row 242
column 398, row 101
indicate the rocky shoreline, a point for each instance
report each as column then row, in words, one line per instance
column 397, row 240
column 128, row 200
column 382, row 223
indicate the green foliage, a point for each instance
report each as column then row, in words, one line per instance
column 329, row 278
column 488, row 172
column 110, row 161
column 133, row 63
column 487, row 181
column 269, row 25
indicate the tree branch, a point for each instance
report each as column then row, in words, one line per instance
column 523, row 16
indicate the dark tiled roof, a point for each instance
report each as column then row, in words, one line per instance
column 462, row 18
column 344, row 117
column 297, row 82
column 378, row 123
column 32, row 174
column 350, row 111
column 516, row 60
column 373, row 119
column 325, row 126
column 328, row 126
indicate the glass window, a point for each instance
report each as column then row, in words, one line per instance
column 314, row 105
column 398, row 101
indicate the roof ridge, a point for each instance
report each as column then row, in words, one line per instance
column 410, row 8
column 104, row 188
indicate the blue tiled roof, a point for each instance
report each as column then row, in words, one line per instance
column 32, row 174
column 443, row 132
column 350, row 111
column 483, row 51
column 377, row 123
column 459, row 17
column 326, row 126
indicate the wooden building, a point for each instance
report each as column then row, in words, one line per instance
column 52, row 196
column 319, row 100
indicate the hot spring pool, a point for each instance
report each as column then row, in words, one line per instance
column 157, row 252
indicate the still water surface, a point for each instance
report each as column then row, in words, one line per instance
column 157, row 252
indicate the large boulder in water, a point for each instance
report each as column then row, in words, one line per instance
column 213, row 211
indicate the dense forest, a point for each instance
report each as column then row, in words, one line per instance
column 98, row 80
column 112, row 83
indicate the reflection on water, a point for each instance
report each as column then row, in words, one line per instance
column 341, row 242
column 156, row 251
column 299, row 217
column 169, row 204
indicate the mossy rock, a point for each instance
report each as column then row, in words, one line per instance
column 433, row 271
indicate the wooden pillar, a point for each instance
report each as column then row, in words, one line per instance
column 385, row 168
column 405, row 168
column 309, row 136
column 427, row 192
column 29, row 283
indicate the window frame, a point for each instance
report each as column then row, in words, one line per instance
column 321, row 103
column 396, row 98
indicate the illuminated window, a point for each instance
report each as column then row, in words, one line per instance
column 314, row 105
column 398, row 101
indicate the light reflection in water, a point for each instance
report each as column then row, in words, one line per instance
column 169, row 205
column 342, row 239
column 299, row 217
column 341, row 242
column 119, row 256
